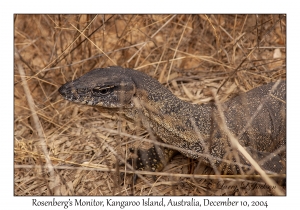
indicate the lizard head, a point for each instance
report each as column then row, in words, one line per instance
column 110, row 87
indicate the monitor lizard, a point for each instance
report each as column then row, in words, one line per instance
column 256, row 118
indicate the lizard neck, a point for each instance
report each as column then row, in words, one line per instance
column 174, row 121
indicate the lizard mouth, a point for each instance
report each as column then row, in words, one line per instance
column 69, row 93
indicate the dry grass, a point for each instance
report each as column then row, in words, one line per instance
column 190, row 54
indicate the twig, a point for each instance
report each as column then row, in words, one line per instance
column 37, row 124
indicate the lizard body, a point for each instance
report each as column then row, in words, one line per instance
column 194, row 129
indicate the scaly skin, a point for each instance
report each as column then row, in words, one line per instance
column 194, row 129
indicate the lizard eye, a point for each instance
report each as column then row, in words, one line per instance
column 102, row 90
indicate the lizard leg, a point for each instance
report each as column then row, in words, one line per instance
column 153, row 159
column 269, row 161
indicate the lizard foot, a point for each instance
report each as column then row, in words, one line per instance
column 152, row 159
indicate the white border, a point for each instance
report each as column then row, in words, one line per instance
column 8, row 201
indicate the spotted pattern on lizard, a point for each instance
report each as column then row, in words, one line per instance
column 193, row 129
